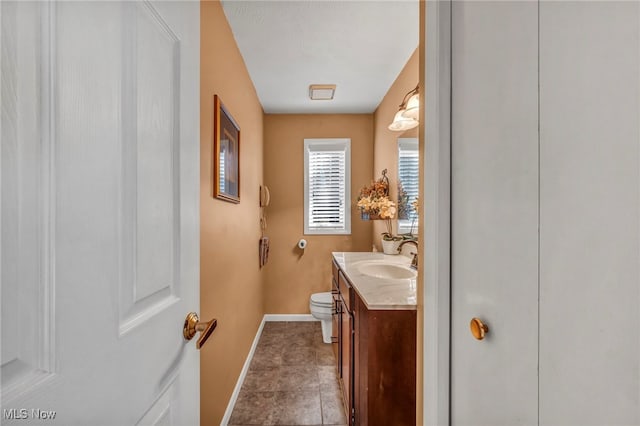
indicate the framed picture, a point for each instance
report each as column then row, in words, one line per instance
column 226, row 154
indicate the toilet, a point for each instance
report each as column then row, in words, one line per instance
column 321, row 307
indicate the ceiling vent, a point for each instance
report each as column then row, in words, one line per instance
column 322, row 92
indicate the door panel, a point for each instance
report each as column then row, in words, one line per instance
column 151, row 171
column 28, row 353
column 589, row 213
column 494, row 212
column 100, row 193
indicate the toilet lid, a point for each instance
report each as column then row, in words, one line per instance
column 322, row 299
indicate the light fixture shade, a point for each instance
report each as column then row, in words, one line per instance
column 401, row 123
column 413, row 107
column 322, row 92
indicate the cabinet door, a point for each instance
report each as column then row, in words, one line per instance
column 335, row 329
column 347, row 359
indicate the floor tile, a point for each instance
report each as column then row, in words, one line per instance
column 308, row 327
column 271, row 339
column 262, row 380
column 254, row 408
column 327, row 374
column 324, row 355
column 298, row 377
column 319, row 343
column 297, row 408
column 332, row 407
column 266, row 357
column 333, row 387
column 304, row 340
column 271, row 326
column 298, row 355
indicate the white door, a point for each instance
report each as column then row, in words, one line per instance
column 494, row 202
column 590, row 213
column 546, row 213
column 100, row 215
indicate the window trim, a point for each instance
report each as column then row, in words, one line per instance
column 327, row 144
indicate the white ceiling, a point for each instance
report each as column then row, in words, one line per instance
column 361, row 46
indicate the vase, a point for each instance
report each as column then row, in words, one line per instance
column 390, row 247
column 369, row 216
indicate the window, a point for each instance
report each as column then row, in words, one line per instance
column 327, row 186
column 408, row 185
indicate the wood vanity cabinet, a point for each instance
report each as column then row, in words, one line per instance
column 376, row 357
column 342, row 337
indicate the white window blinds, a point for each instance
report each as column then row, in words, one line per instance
column 327, row 186
column 408, row 175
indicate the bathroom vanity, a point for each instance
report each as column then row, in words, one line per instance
column 374, row 337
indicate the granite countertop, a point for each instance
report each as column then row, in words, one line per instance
column 378, row 293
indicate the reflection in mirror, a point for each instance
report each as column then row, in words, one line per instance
column 228, row 172
column 408, row 185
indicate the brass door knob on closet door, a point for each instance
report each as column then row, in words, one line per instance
column 478, row 328
column 192, row 325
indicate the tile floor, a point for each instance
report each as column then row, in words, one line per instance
column 292, row 379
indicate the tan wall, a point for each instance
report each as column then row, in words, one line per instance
column 386, row 142
column 291, row 277
column 386, row 156
column 230, row 280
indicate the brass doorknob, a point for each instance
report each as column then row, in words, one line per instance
column 192, row 325
column 478, row 328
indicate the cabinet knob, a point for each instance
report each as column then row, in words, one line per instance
column 478, row 328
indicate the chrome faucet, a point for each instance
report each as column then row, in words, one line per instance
column 414, row 260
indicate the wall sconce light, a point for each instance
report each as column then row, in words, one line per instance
column 407, row 116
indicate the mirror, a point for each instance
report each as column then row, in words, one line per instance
column 408, row 185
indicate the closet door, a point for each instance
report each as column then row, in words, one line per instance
column 494, row 212
column 589, row 213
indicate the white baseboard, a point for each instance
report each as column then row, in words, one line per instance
column 247, row 363
column 289, row 317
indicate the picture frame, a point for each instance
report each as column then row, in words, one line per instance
column 225, row 180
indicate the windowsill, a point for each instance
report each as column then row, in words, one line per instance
column 327, row 232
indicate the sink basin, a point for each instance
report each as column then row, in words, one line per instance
column 386, row 270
